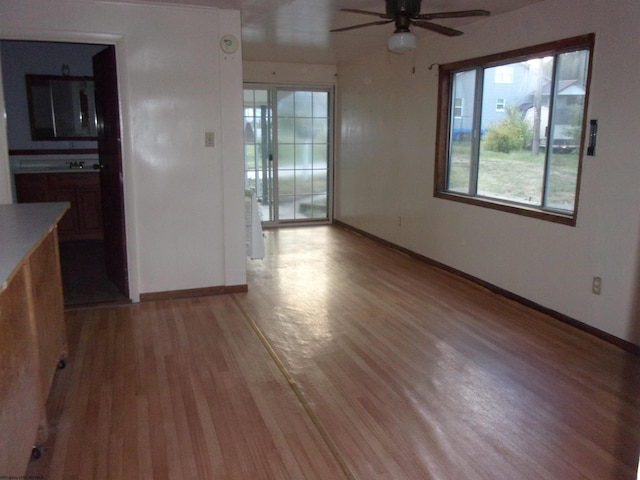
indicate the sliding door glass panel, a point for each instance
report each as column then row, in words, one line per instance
column 258, row 149
column 303, row 154
column 288, row 152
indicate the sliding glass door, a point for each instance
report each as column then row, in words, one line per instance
column 288, row 152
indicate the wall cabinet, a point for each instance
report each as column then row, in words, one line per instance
column 83, row 221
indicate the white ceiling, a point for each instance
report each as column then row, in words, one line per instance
column 298, row 30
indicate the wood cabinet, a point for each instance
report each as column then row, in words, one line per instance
column 83, row 221
column 33, row 339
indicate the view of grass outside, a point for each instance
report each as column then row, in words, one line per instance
column 516, row 176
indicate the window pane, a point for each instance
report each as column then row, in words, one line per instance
column 285, row 129
column 256, row 117
column 513, row 177
column 303, row 182
column 320, row 157
column 508, row 169
column 566, row 129
column 256, row 182
column 286, row 179
column 261, row 97
column 304, row 130
column 320, row 130
column 320, row 104
column 303, row 102
column 286, row 156
column 285, row 103
column 286, row 207
column 318, row 207
column 248, row 96
column 503, row 74
column 304, row 153
column 319, row 181
column 459, row 166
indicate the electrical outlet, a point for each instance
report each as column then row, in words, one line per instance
column 596, row 286
column 399, row 220
column 209, row 139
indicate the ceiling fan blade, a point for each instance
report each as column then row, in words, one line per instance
column 365, row 12
column 434, row 27
column 463, row 13
column 353, row 27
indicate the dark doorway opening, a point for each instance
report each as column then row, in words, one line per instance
column 84, row 276
column 93, row 264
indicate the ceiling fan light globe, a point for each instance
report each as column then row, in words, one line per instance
column 402, row 42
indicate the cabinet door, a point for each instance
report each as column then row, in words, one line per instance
column 83, row 221
column 21, row 402
column 89, row 211
column 31, row 187
column 48, row 307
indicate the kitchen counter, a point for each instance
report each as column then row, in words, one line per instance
column 33, row 344
column 22, row 226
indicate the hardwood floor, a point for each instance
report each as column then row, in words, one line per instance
column 344, row 360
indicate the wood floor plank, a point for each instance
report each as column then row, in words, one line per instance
column 177, row 390
column 451, row 380
column 344, row 360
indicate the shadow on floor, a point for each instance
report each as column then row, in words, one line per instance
column 84, row 277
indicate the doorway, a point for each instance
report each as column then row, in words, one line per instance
column 288, row 152
column 87, row 263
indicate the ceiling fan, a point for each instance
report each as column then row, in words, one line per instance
column 406, row 13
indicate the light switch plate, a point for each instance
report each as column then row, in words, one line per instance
column 209, row 139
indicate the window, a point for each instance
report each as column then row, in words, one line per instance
column 518, row 146
column 457, row 107
column 504, row 74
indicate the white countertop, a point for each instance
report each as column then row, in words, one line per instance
column 22, row 226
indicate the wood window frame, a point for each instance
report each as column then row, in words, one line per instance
column 445, row 84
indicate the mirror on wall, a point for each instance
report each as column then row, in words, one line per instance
column 61, row 107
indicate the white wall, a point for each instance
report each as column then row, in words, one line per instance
column 289, row 73
column 386, row 166
column 183, row 201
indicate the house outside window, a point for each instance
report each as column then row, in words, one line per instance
column 504, row 74
column 518, row 147
column 457, row 107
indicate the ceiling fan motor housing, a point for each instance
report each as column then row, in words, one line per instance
column 403, row 7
